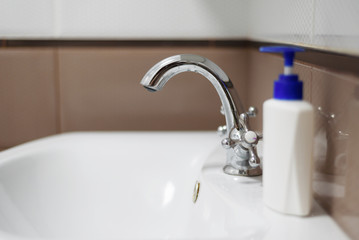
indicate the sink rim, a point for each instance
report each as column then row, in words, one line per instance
column 210, row 174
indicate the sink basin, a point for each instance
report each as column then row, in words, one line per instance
column 137, row 185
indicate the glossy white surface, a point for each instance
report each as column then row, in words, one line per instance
column 323, row 24
column 137, row 185
column 122, row 19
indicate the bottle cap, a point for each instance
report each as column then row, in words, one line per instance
column 288, row 86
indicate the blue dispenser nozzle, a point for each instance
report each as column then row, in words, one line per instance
column 288, row 86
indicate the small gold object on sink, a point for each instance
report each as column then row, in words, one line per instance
column 197, row 185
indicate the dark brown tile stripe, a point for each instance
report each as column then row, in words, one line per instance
column 123, row 43
column 324, row 59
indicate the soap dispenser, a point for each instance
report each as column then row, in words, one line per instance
column 288, row 129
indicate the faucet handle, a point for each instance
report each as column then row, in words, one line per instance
column 222, row 130
column 251, row 137
column 254, row 160
column 252, row 111
column 227, row 143
column 251, row 140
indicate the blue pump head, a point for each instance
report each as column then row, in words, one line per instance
column 288, row 86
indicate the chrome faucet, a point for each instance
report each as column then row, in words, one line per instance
column 240, row 142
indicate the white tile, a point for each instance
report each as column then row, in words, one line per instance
column 153, row 19
column 26, row 19
column 336, row 25
column 281, row 20
column 338, row 18
column 324, row 24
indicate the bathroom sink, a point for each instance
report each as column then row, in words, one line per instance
column 137, row 185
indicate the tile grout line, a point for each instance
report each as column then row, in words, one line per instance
column 58, row 119
column 311, row 85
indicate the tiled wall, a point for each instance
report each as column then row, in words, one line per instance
column 322, row 24
column 27, row 95
column 122, row 19
column 100, row 90
column 44, row 91
column 50, row 90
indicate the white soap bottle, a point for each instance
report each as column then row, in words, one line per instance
column 288, row 129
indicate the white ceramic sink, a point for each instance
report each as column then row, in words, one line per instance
column 137, row 185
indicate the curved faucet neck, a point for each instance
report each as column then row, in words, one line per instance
column 159, row 74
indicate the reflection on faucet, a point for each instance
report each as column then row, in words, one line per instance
column 240, row 142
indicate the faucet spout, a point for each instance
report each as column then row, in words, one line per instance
column 241, row 155
column 160, row 73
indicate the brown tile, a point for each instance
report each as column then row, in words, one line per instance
column 305, row 74
column 264, row 69
column 332, row 93
column 100, row 90
column 349, row 208
column 27, row 95
column 336, row 146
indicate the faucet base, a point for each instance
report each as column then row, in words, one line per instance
column 251, row 172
